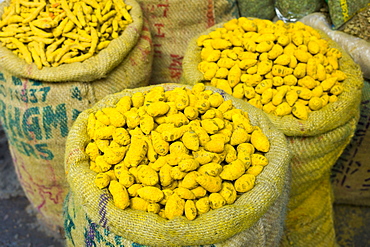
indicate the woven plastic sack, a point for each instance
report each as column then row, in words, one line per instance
column 256, row 217
column 37, row 108
column 173, row 23
column 357, row 48
column 315, row 143
column 351, row 173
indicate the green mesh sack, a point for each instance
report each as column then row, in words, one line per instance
column 256, row 218
column 254, row 8
column 343, row 10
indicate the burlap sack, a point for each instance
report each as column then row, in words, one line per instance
column 173, row 23
column 38, row 107
column 256, row 218
column 314, row 218
column 351, row 173
column 316, row 143
column 312, row 160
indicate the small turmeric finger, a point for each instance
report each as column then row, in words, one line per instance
column 175, row 206
column 23, row 49
column 70, row 14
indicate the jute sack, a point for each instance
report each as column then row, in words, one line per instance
column 315, row 143
column 256, row 218
column 312, row 160
column 37, row 108
column 351, row 173
column 173, row 23
column 314, row 218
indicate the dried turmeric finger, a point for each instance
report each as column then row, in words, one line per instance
column 302, row 57
column 167, row 165
column 216, row 200
column 228, row 192
column 190, row 210
column 203, row 205
column 35, row 55
column 102, row 180
column 34, row 14
column 175, row 206
column 150, row 193
column 139, row 203
column 210, row 183
column 70, row 14
column 245, row 183
column 120, row 195
column 233, row 170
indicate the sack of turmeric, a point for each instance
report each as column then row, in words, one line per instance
column 173, row 23
column 181, row 170
column 350, row 175
column 39, row 104
column 306, row 84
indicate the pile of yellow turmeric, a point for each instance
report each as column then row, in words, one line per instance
column 181, row 152
column 54, row 32
column 282, row 68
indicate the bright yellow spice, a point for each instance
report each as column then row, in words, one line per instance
column 184, row 193
column 289, row 54
column 255, row 170
column 233, row 170
column 175, row 206
column 120, row 194
column 102, row 180
column 150, row 193
column 139, row 203
column 203, row 205
column 180, row 158
column 189, row 181
column 126, row 178
column 49, row 34
column 190, row 210
column 245, row 183
column 216, row 200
